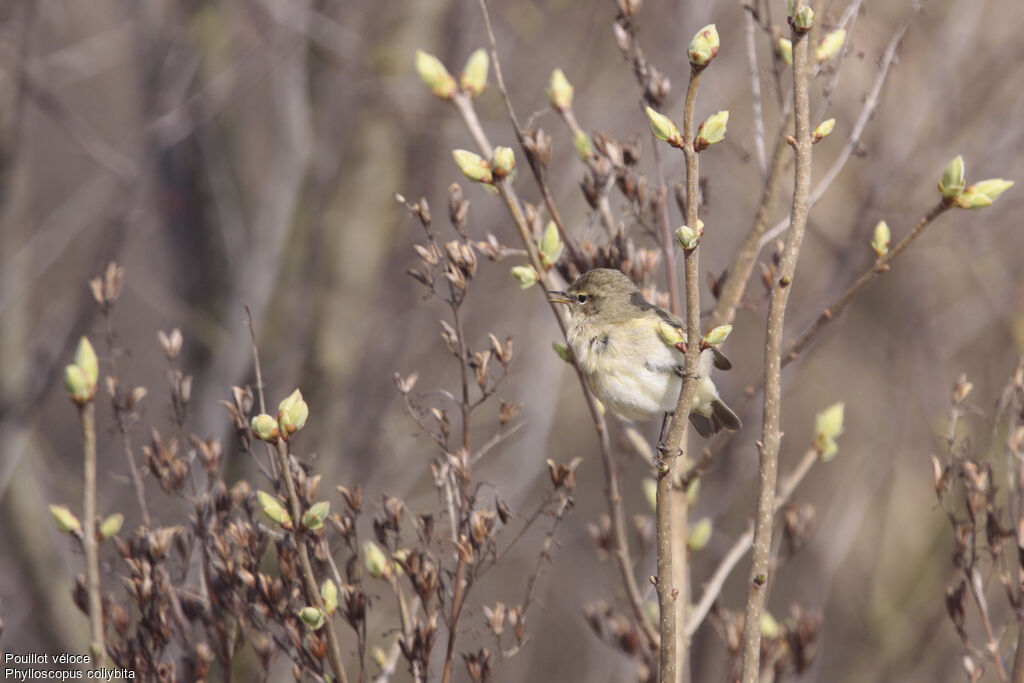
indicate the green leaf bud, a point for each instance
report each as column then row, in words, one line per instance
column 526, row 276
column 292, row 413
column 704, row 46
column 265, row 428
column 434, row 74
column 274, row 509
column 474, row 74
column 712, row 131
column 953, row 181
column 664, row 128
column 65, row 519
column 830, row 45
column 560, row 91
column 473, row 166
column 880, row 242
column 504, row 161
column 785, row 49
column 700, row 534
column 313, row 617
column 315, row 515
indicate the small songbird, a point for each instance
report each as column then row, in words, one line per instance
column 616, row 337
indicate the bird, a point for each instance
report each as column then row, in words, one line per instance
column 618, row 340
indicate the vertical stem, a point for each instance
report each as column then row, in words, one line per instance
column 672, row 448
column 309, row 578
column 771, row 436
column 87, row 413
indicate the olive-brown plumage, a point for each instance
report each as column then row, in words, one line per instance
column 614, row 334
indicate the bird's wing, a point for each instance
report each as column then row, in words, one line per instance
column 637, row 299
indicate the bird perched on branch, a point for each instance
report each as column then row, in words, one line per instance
column 625, row 347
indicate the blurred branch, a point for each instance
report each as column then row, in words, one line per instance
column 612, row 493
column 87, row 416
column 742, row 544
column 870, row 104
column 755, row 89
column 309, row 578
column 771, row 433
column 672, row 447
column 75, row 126
column 880, row 266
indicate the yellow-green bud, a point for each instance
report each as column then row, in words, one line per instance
column 264, row 428
column 803, row 20
column 693, row 492
column 434, row 74
column 504, row 161
column 474, row 74
column 687, row 237
column 329, row 593
column 473, row 166
column 982, row 194
column 953, row 182
column 550, row 245
column 823, row 130
column 526, row 276
column 376, row 561
column 664, row 128
column 312, row 617
column 785, row 50
column 769, row 627
column 65, row 519
column 700, row 534
column 315, row 515
column 274, row 509
column 830, row 45
column 651, row 492
column 670, row 334
column 712, row 131
column 827, row 427
column 583, row 146
column 292, row 413
column 704, row 46
column 111, row 525
column 717, row 335
column 880, row 242
column 560, row 91
column 85, row 358
column 563, row 351
column 79, row 388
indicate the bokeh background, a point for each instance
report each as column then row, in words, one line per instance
column 245, row 152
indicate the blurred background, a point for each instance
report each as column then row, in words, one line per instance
column 232, row 153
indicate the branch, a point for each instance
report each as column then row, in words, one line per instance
column 87, row 413
column 771, row 435
column 612, row 494
column 309, row 578
column 672, row 447
column 870, row 104
column 742, row 545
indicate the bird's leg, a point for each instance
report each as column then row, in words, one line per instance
column 664, row 433
column 680, row 371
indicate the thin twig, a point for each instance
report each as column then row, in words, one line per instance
column 742, row 544
column 771, row 435
column 675, row 439
column 870, row 104
column 755, row 91
column 122, row 422
column 612, row 493
column 309, row 578
column 87, row 414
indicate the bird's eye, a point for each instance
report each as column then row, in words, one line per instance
column 581, row 298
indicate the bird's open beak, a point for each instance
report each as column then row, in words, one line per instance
column 559, row 298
